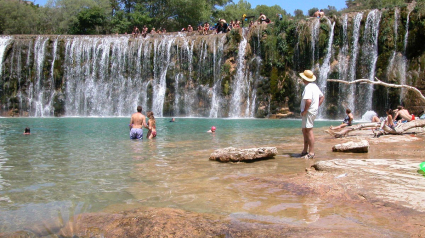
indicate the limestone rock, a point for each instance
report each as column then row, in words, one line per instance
column 231, row 154
column 351, row 146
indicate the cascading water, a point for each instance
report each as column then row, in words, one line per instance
column 240, row 85
column 403, row 66
column 164, row 55
column 4, row 42
column 182, row 74
column 314, row 42
column 369, row 58
column 37, row 88
column 343, row 58
column 390, row 67
column 218, row 54
column 325, row 67
column 353, row 60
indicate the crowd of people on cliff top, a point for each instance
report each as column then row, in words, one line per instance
column 222, row 26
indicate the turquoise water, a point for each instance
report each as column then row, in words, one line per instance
column 69, row 166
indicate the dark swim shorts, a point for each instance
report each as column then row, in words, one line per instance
column 136, row 133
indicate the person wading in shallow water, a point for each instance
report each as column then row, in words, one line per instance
column 312, row 98
column 137, row 122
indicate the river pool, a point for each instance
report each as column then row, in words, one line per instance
column 69, row 166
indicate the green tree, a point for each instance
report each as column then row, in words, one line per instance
column 90, row 21
column 66, row 11
column 299, row 14
column 312, row 11
column 18, row 18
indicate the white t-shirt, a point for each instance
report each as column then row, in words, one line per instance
column 312, row 92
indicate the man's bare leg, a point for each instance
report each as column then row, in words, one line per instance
column 305, row 150
column 310, row 140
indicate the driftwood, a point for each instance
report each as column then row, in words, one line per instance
column 401, row 128
column 379, row 82
column 346, row 130
column 231, row 154
column 352, row 146
column 398, row 130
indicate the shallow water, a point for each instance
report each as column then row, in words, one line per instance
column 69, row 166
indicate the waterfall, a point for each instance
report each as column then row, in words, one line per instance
column 343, row 58
column 240, row 84
column 406, row 35
column 189, row 95
column 37, row 88
column 403, row 66
column 325, row 67
column 391, row 63
column 176, row 108
column 163, row 55
column 217, row 58
column 370, row 56
column 4, row 42
column 314, row 41
column 353, row 62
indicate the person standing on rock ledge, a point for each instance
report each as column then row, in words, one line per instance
column 312, row 98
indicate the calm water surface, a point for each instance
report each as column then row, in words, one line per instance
column 69, row 166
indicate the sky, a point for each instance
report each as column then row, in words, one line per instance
column 288, row 5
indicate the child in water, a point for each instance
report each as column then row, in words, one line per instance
column 151, row 126
column 212, row 129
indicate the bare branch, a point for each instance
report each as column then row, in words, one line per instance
column 379, row 82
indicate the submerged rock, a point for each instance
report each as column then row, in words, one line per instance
column 231, row 154
column 352, row 146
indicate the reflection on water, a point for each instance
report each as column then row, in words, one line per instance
column 68, row 166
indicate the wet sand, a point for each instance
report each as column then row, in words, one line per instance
column 378, row 194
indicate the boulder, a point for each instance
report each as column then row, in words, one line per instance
column 352, row 146
column 231, row 154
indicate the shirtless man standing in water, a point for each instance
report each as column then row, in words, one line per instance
column 137, row 122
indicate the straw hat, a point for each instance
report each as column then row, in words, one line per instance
column 308, row 76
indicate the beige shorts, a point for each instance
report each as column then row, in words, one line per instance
column 308, row 120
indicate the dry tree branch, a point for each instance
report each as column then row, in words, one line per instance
column 379, row 82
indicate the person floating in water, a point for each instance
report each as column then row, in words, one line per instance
column 137, row 122
column 151, row 126
column 347, row 120
column 27, row 131
column 173, row 120
column 212, row 129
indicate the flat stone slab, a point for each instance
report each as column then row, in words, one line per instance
column 352, row 146
column 398, row 181
column 231, row 154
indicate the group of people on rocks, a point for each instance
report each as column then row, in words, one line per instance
column 319, row 14
column 204, row 29
column 136, row 32
column 393, row 118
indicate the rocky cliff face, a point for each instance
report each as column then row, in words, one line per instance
column 244, row 73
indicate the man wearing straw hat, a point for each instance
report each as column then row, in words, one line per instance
column 312, row 98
